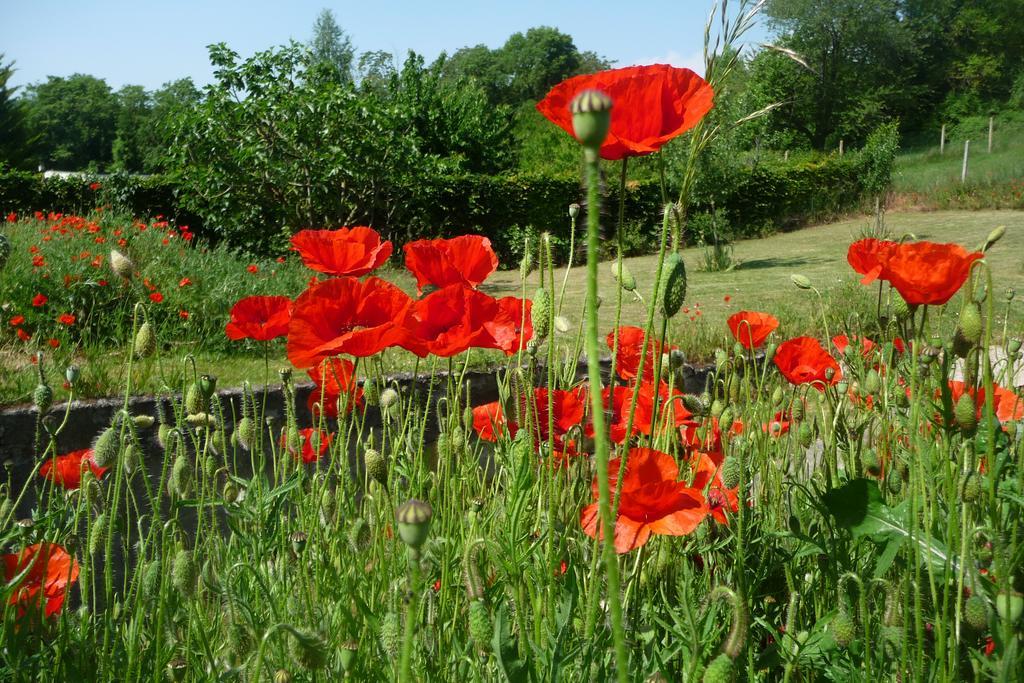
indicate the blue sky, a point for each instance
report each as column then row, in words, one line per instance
column 149, row 43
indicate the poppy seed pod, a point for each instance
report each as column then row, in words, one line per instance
column 121, row 264
column 591, row 119
column 719, row 670
column 574, row 211
column 308, row 650
column 413, row 518
column 844, row 629
column 71, row 374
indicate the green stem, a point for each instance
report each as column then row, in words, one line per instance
column 607, row 526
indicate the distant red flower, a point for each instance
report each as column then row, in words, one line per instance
column 54, row 343
column 334, row 378
column 727, row 298
column 156, row 297
column 184, row 282
column 751, row 328
column 47, row 572
column 346, row 251
column 38, row 261
column 94, row 186
column 868, row 257
column 512, row 327
column 66, row 470
column 778, row 425
column 12, row 217
column 315, row 443
column 653, row 501
column 651, row 105
column 926, row 273
column 183, row 315
column 345, row 315
column 260, row 318
column 23, row 335
column 66, row 319
column 449, row 321
column 803, row 361
column 17, row 320
column 627, row 360
column 466, row 260
column 489, row 421
column 253, row 268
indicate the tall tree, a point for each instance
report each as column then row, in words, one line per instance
column 134, row 123
column 14, row 139
column 332, row 45
column 75, row 119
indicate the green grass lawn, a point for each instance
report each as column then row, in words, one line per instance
column 761, row 281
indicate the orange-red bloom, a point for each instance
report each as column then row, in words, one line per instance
column 315, row 443
column 489, row 421
column 803, row 361
column 627, row 359
column 926, row 273
column 650, row 105
column 448, row 321
column 47, row 572
column 66, row 470
column 751, row 328
column 334, row 378
column 868, row 257
column 345, row 315
column 1008, row 406
column 511, row 328
column 467, row 260
column 261, row 318
column 653, row 501
column 346, row 251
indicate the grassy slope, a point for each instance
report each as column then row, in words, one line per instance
column 761, row 282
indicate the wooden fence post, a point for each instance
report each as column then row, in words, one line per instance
column 963, row 173
column 942, row 140
column 990, row 121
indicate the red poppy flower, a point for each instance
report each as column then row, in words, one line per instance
column 568, row 407
column 751, row 328
column 448, row 321
column 260, row 318
column 707, row 476
column 653, row 501
column 66, row 319
column 184, row 282
column 47, row 572
column 39, row 300
column 489, row 421
column 650, row 105
column 23, row 335
column 467, row 260
column 315, row 443
column 94, row 186
column 54, row 343
column 842, row 342
column 346, row 315
column 926, row 273
column 627, row 360
column 253, row 268
column 156, row 297
column 511, row 327
column 778, row 425
column 346, row 251
column 183, row 315
column 38, row 261
column 66, row 470
column 803, row 361
column 17, row 320
column 334, row 378
column 868, row 257
column 643, row 419
column 1008, row 405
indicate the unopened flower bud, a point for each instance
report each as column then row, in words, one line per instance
column 121, row 264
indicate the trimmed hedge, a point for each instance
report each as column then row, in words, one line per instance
column 756, row 200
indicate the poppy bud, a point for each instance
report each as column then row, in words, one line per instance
column 207, row 385
column 993, row 237
column 805, row 435
column 970, row 326
column 230, row 492
column 976, row 612
column 371, row 392
column 1013, row 346
column 623, row 276
column 359, row 535
column 195, row 402
column 388, row 398
column 719, row 670
column 42, row 397
column 308, row 650
column 695, row 405
column 801, row 281
column 376, row 466
column 972, row 487
column 184, row 573
column 1010, row 605
column 105, row 448
column 574, row 211
column 98, row 533
column 121, row 264
column 145, row 341
column 965, row 413
column 540, row 313
column 348, row 655
column 732, row 472
column 901, row 309
column 480, row 629
column 673, row 285
column 391, row 634
column 873, row 382
column 245, row 432
column 181, row 476
column 844, row 629
column 413, row 518
column 591, row 120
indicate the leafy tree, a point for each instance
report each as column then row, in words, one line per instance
column 75, row 119
column 376, row 68
column 14, row 138
column 171, row 101
column 332, row 45
column 134, row 118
